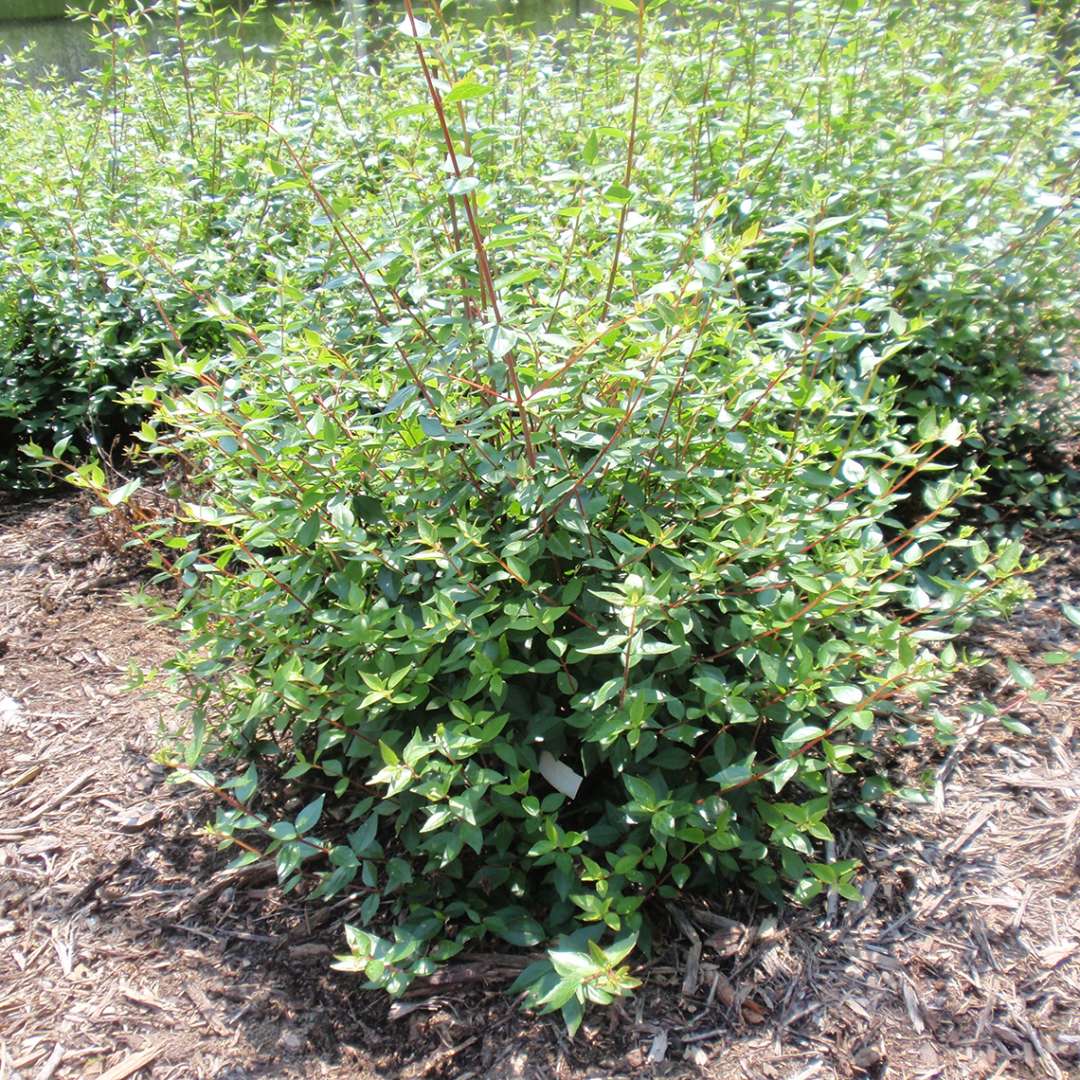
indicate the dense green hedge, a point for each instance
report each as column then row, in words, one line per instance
column 942, row 174
column 571, row 435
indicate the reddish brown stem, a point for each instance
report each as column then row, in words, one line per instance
column 631, row 147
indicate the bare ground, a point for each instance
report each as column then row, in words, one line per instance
column 124, row 950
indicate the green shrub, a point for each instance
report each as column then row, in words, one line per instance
column 566, row 525
column 70, row 342
column 431, row 619
column 872, row 140
column 109, row 251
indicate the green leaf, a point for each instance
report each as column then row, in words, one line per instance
column 124, row 492
column 1023, row 677
column 641, row 791
column 1015, row 726
column 515, row 926
column 364, row 837
column 308, row 818
column 462, row 185
column 853, row 471
column 414, row 28
column 573, row 1010
column 846, row 695
column 782, row 773
column 465, row 90
column 500, row 340
column 530, row 976
column 308, row 531
column 1060, row 657
column 570, row 962
column 800, row 734
column 591, row 149
column 622, row 947
column 518, row 567
column 560, row 994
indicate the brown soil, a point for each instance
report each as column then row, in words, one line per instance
column 125, row 951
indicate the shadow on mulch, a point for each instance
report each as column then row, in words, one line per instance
column 122, row 941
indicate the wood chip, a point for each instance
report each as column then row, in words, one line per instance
column 696, row 1056
column 65, row 953
column 40, row 845
column 692, row 978
column 198, row 998
column 138, row 818
column 969, row 832
column 434, row 1061
column 876, row 959
column 49, row 804
column 752, row 1012
column 133, row 1063
column 23, row 778
column 308, row 950
column 913, row 1006
column 255, row 873
column 148, row 1000
column 1055, row 954
column 51, row 1064
column 728, row 941
column 658, row 1050
column 12, row 717
column 400, row 1009
column 724, row 990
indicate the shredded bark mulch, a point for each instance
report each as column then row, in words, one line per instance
column 127, row 951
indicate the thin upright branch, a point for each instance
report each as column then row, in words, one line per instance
column 631, row 148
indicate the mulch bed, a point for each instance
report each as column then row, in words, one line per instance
column 126, row 951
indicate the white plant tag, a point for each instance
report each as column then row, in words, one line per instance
column 561, row 777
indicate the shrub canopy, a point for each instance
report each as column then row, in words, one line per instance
column 567, row 436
